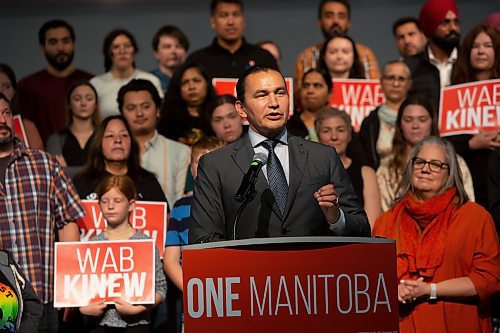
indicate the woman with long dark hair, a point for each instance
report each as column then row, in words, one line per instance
column 478, row 60
column 340, row 58
column 314, row 93
column 184, row 113
column 115, row 152
column 71, row 146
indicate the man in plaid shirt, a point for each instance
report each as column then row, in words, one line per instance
column 36, row 200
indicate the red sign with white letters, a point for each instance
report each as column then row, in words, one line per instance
column 19, row 129
column 470, row 107
column 87, row 272
column 149, row 217
column 356, row 97
column 338, row 287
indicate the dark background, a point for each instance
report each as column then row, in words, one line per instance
column 292, row 24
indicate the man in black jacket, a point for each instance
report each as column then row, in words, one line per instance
column 230, row 55
column 303, row 190
column 431, row 70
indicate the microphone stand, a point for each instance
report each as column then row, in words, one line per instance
column 248, row 197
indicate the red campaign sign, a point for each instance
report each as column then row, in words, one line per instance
column 356, row 97
column 470, row 107
column 347, row 288
column 94, row 271
column 19, row 129
column 149, row 217
column 228, row 86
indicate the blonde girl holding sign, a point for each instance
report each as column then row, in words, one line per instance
column 117, row 201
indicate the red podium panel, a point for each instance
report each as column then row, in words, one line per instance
column 292, row 284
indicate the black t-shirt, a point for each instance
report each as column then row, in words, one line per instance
column 147, row 187
column 9, row 305
column 73, row 154
column 218, row 62
column 354, row 172
column 4, row 161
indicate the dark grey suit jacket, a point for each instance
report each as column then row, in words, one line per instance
column 312, row 165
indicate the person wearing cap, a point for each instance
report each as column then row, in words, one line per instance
column 432, row 69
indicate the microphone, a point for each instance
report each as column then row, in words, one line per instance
column 250, row 178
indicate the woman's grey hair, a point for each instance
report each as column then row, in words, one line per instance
column 454, row 173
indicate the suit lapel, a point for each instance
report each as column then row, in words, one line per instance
column 298, row 160
column 242, row 156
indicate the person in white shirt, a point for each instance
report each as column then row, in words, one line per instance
column 119, row 51
column 140, row 103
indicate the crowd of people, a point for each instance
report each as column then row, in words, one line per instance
column 132, row 135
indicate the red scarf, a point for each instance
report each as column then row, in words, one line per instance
column 420, row 229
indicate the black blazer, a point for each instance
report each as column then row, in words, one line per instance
column 312, row 165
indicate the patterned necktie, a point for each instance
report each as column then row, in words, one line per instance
column 276, row 175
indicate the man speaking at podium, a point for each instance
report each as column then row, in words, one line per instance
column 302, row 189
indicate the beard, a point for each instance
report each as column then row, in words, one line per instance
column 59, row 61
column 333, row 30
column 449, row 42
column 6, row 142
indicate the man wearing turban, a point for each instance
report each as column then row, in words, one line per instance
column 432, row 69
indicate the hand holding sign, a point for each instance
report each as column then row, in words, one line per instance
column 470, row 108
column 95, row 309
column 127, row 309
column 90, row 272
column 485, row 140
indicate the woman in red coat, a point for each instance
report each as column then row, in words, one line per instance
column 447, row 248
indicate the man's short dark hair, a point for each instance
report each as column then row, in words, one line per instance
column 52, row 24
column 171, row 31
column 135, row 86
column 405, row 20
column 343, row 2
column 241, row 84
column 215, row 3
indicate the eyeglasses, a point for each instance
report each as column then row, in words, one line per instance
column 394, row 78
column 434, row 165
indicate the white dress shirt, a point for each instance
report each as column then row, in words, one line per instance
column 445, row 68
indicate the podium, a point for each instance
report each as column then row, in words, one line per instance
column 291, row 284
